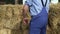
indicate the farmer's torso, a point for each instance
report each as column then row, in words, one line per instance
column 37, row 6
column 39, row 10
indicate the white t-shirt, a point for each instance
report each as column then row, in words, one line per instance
column 24, row 2
column 54, row 1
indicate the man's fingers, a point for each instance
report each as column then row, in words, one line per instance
column 25, row 20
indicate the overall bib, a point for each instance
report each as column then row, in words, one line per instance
column 39, row 22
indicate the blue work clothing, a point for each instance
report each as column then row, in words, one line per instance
column 36, row 6
column 39, row 22
column 39, row 13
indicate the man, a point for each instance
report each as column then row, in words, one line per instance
column 39, row 15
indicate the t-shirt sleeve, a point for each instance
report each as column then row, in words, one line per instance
column 28, row 2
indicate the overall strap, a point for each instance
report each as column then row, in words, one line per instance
column 44, row 5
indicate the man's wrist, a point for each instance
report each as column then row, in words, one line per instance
column 24, row 16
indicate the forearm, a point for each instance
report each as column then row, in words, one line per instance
column 28, row 3
column 25, row 9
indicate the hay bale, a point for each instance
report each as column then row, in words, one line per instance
column 11, row 20
column 54, row 19
column 11, row 16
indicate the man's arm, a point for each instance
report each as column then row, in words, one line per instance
column 25, row 9
column 26, row 6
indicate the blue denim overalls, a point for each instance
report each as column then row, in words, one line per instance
column 39, row 22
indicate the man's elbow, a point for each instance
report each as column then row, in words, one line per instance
column 25, row 7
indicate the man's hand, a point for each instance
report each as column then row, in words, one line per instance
column 25, row 20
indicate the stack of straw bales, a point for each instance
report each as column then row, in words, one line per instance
column 54, row 19
column 11, row 19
